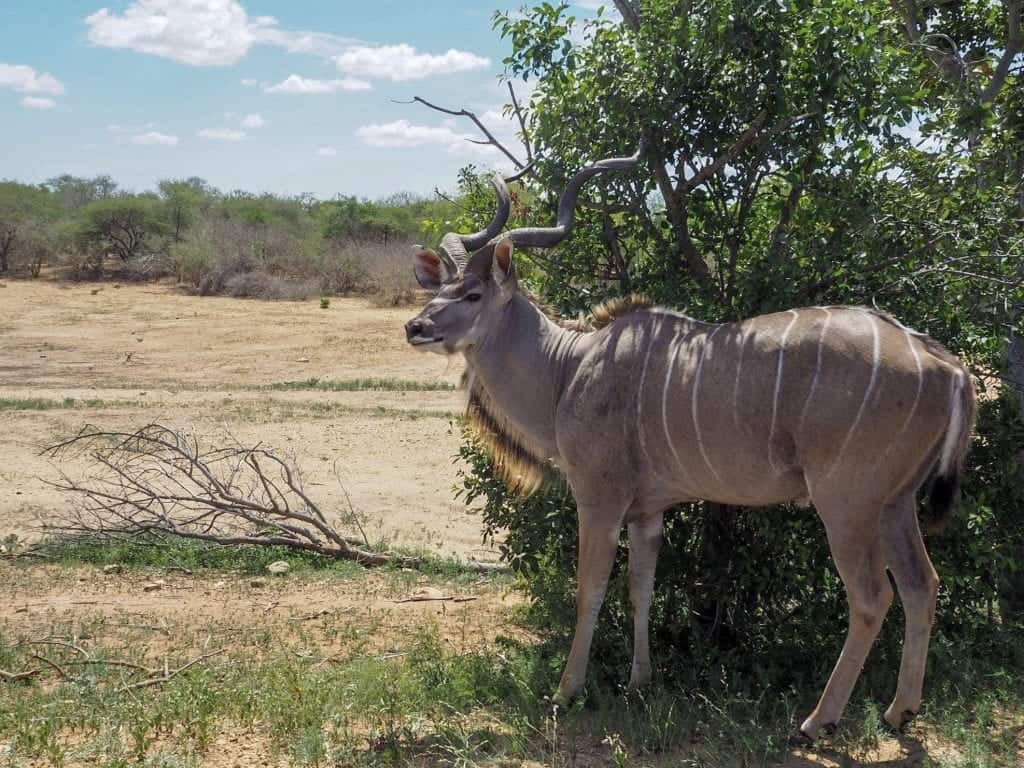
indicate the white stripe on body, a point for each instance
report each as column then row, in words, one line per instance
column 693, row 403
column 641, row 436
column 736, row 386
column 664, row 399
column 778, row 386
column 955, row 426
column 817, row 368
column 867, row 394
column 920, row 385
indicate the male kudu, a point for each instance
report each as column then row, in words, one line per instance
column 840, row 406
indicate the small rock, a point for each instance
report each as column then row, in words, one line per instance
column 113, row 568
column 302, row 360
column 153, row 586
column 257, row 583
column 278, row 568
column 94, row 291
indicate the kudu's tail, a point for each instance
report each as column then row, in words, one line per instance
column 945, row 489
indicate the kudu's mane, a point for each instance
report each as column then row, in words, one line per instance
column 519, row 463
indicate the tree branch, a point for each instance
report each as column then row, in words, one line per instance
column 483, row 128
column 1010, row 51
column 630, row 10
column 522, row 122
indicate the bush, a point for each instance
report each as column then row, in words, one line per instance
column 260, row 285
column 193, row 260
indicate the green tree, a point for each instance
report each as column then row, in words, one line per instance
column 125, row 226
column 26, row 214
column 182, row 198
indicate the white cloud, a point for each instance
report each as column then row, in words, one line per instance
column 327, row 151
column 123, row 129
column 297, row 84
column 201, row 32
column 221, row 134
column 402, row 133
column 197, row 32
column 253, row 121
column 403, row 62
column 24, row 79
column 36, row 102
column 250, row 82
column 155, row 139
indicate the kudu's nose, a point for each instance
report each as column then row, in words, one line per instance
column 414, row 328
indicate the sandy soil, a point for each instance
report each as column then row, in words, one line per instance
column 135, row 354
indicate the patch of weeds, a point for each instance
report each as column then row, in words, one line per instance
column 167, row 551
column 172, row 551
column 431, row 706
column 67, row 403
column 360, row 385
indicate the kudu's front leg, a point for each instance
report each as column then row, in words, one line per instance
column 599, row 538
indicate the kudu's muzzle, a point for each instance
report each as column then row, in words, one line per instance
column 419, row 330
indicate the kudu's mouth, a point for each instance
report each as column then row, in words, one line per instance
column 420, row 341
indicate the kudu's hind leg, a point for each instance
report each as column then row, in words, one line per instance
column 853, row 537
column 918, row 585
column 599, row 538
column 644, row 543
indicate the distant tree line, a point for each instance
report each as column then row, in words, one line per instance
column 215, row 242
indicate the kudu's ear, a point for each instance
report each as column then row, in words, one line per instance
column 502, row 268
column 431, row 270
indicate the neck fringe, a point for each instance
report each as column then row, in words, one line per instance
column 518, row 463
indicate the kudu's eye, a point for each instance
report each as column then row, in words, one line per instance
column 473, row 297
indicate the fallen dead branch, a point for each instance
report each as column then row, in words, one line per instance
column 159, row 482
column 12, row 677
column 432, row 599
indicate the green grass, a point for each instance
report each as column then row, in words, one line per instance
column 434, row 707
column 360, row 385
column 275, row 410
column 427, row 705
column 67, row 403
column 196, row 555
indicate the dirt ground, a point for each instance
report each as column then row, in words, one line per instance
column 134, row 354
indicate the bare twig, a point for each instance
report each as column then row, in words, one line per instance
column 431, row 599
column 522, row 123
column 170, row 674
column 491, row 140
column 13, row 677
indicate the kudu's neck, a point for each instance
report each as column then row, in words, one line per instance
column 525, row 364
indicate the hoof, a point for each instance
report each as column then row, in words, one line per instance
column 901, row 722
column 801, row 740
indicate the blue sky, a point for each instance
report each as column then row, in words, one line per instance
column 262, row 95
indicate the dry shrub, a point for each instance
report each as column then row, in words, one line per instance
column 390, row 271
column 262, row 285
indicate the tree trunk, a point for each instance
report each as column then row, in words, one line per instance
column 6, row 243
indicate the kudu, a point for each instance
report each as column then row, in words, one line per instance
column 840, row 406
